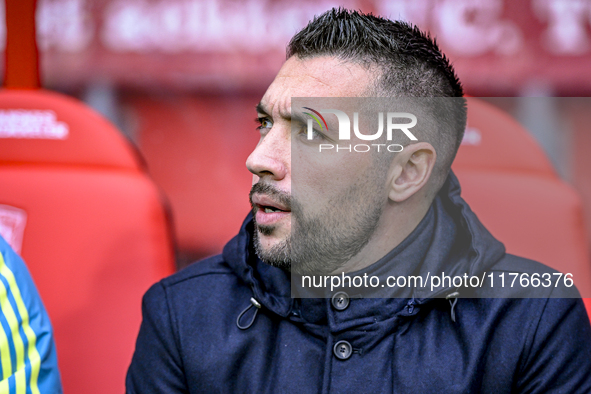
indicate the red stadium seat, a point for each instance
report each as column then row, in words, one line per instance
column 93, row 227
column 196, row 152
column 512, row 187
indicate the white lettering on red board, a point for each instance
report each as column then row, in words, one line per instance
column 206, row 25
column 467, row 27
column 567, row 25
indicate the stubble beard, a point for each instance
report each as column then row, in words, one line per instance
column 323, row 243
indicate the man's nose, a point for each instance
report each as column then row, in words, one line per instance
column 271, row 156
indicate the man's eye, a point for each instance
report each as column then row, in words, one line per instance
column 316, row 135
column 313, row 135
column 264, row 123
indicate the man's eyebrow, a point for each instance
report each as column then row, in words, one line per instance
column 298, row 117
column 261, row 109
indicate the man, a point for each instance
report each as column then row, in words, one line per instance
column 230, row 324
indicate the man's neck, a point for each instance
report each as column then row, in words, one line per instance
column 395, row 225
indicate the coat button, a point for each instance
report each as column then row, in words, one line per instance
column 340, row 300
column 342, row 350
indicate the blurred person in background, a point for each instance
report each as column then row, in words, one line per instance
column 27, row 349
column 229, row 323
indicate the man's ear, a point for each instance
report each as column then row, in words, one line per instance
column 411, row 170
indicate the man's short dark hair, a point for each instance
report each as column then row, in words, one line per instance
column 409, row 62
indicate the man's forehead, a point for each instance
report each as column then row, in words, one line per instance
column 316, row 77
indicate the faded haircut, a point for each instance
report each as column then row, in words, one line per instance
column 409, row 64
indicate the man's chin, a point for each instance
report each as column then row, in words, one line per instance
column 273, row 251
column 265, row 233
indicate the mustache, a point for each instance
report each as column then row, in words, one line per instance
column 278, row 195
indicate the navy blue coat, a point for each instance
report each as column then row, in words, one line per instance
column 190, row 340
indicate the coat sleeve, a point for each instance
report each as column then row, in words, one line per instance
column 28, row 356
column 156, row 366
column 559, row 358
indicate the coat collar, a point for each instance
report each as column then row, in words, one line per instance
column 449, row 239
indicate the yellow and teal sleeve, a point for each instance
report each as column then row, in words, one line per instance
column 27, row 350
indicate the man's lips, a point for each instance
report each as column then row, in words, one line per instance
column 268, row 211
column 264, row 202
